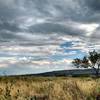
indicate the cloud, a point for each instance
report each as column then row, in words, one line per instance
column 38, row 34
column 90, row 28
column 93, row 5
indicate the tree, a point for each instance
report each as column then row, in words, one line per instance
column 92, row 60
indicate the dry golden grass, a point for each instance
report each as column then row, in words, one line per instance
column 48, row 88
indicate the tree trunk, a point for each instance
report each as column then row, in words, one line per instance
column 96, row 71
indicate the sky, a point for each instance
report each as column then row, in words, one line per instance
column 45, row 35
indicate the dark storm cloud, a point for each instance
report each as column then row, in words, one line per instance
column 15, row 17
column 13, row 27
column 55, row 28
column 62, row 10
column 93, row 4
column 93, row 7
column 8, row 32
column 68, row 9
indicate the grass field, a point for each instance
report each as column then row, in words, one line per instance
column 48, row 88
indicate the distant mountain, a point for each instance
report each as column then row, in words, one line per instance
column 75, row 72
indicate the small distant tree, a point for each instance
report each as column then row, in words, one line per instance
column 92, row 60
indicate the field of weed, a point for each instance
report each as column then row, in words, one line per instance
column 49, row 88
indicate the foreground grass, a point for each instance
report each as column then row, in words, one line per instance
column 48, row 88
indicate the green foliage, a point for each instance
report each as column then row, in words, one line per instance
column 81, row 63
column 93, row 57
column 76, row 62
column 90, row 61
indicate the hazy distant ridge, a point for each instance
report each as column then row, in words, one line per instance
column 68, row 72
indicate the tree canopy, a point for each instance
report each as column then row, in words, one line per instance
column 91, row 60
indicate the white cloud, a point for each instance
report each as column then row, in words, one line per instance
column 27, row 21
column 89, row 28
